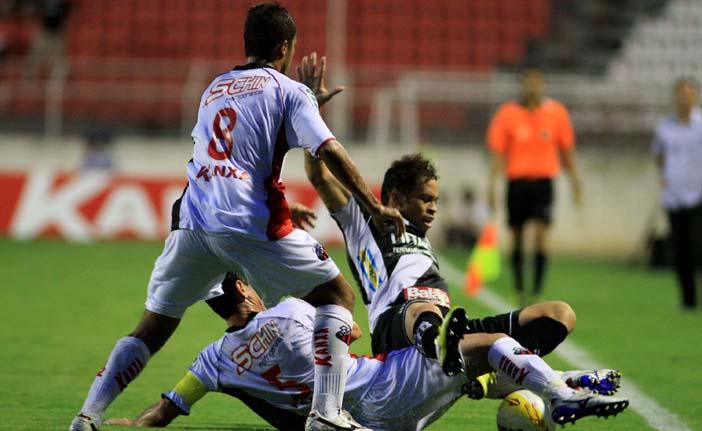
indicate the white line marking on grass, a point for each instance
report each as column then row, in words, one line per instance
column 654, row 414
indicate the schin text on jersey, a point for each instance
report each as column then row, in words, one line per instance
column 235, row 87
column 256, row 347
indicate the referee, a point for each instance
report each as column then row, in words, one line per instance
column 677, row 146
column 527, row 138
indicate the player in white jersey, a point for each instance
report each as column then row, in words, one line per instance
column 266, row 359
column 233, row 216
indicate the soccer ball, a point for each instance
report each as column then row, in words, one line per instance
column 522, row 411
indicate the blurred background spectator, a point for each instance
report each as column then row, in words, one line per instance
column 467, row 215
column 677, row 145
column 98, row 150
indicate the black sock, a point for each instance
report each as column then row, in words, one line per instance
column 425, row 331
column 540, row 261
column 541, row 335
column 518, row 269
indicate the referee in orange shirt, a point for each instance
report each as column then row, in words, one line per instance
column 528, row 138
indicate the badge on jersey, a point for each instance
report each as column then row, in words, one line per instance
column 310, row 95
column 321, row 252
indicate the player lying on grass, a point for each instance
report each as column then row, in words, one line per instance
column 268, row 356
column 399, row 278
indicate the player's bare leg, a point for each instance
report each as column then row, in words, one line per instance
column 126, row 361
column 332, row 334
column 541, row 229
column 521, row 368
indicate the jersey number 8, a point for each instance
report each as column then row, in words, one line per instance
column 222, row 134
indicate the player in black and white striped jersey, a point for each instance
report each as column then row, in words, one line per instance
column 399, row 277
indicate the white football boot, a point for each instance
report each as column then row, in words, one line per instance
column 343, row 421
column 84, row 423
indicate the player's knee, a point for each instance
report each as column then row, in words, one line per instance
column 417, row 308
column 564, row 313
column 335, row 292
column 153, row 340
column 154, row 330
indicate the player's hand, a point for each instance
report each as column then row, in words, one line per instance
column 386, row 218
column 356, row 332
column 577, row 187
column 302, row 216
column 120, row 421
column 251, row 305
column 314, row 76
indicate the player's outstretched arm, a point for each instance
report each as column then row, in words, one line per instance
column 333, row 194
column 187, row 392
column 337, row 159
column 157, row 416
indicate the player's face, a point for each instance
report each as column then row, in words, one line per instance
column 686, row 96
column 419, row 207
column 533, row 85
column 288, row 56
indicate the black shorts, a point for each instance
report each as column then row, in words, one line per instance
column 389, row 333
column 501, row 323
column 529, row 200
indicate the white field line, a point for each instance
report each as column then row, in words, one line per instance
column 657, row 416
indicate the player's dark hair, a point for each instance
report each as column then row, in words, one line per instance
column 226, row 304
column 267, row 26
column 406, row 174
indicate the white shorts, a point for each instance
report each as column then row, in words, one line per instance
column 409, row 392
column 194, row 263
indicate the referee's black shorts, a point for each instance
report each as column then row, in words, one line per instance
column 529, row 199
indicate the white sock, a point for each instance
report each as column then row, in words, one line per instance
column 128, row 358
column 515, row 363
column 332, row 331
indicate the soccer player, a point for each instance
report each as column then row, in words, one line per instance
column 399, row 276
column 526, row 138
column 677, row 146
column 267, row 359
column 233, row 216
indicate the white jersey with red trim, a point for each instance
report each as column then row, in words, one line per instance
column 272, row 360
column 248, row 119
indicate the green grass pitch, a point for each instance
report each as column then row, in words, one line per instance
column 64, row 305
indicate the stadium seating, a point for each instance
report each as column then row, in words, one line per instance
column 664, row 47
column 151, row 50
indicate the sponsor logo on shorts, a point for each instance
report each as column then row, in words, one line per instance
column 321, row 252
column 429, row 294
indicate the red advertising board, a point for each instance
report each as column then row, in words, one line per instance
column 87, row 206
